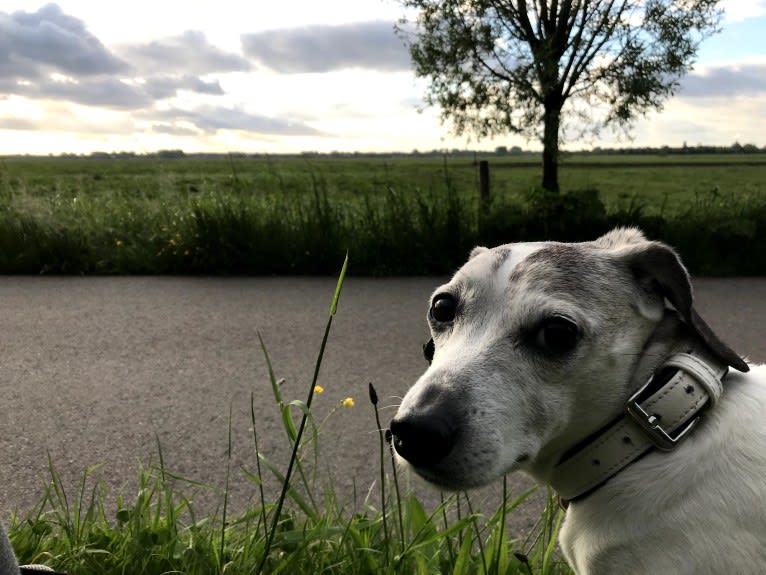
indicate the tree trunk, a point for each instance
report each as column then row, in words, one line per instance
column 552, row 121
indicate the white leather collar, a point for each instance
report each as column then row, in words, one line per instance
column 659, row 415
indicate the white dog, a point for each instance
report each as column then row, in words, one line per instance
column 564, row 361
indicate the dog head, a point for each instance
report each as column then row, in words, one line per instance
column 534, row 347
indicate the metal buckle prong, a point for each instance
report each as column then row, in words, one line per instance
column 650, row 422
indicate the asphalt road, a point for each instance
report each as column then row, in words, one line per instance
column 97, row 370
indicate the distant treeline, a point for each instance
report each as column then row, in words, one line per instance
column 735, row 148
column 699, row 149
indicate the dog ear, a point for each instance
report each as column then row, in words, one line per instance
column 656, row 264
column 476, row 251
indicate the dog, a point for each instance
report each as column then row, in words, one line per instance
column 586, row 366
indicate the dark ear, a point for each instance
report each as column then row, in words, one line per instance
column 657, row 263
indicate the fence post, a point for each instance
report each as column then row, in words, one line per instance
column 484, row 185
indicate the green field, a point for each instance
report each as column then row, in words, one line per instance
column 299, row 215
column 646, row 178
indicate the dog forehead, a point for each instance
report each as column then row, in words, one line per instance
column 582, row 272
column 497, row 262
column 552, row 268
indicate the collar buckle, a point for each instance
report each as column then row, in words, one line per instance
column 661, row 438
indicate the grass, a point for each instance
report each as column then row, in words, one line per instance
column 158, row 531
column 298, row 216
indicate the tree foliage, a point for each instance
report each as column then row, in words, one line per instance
column 499, row 66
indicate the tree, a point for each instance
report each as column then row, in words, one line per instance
column 499, row 66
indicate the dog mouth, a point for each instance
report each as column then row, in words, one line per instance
column 444, row 482
column 458, row 471
column 460, row 477
column 461, row 470
column 448, row 479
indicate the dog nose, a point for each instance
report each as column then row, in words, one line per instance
column 423, row 440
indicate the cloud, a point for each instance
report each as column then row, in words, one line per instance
column 14, row 123
column 63, row 117
column 372, row 45
column 161, row 87
column 173, row 130
column 50, row 55
column 188, row 53
column 725, row 80
column 32, row 43
column 102, row 92
column 109, row 92
column 211, row 119
column 739, row 10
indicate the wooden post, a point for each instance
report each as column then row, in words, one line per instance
column 484, row 184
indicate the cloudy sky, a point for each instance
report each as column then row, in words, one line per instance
column 262, row 76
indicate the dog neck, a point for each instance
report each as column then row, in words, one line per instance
column 671, row 335
column 674, row 380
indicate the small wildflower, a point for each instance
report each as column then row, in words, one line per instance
column 186, row 252
column 318, row 389
column 172, row 241
column 348, row 402
column 118, row 243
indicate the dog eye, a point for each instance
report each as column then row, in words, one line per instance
column 557, row 335
column 443, row 308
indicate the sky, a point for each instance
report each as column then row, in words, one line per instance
column 287, row 76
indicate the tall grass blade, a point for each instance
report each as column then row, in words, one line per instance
column 500, row 537
column 341, row 278
column 475, row 524
column 381, row 438
column 400, row 514
column 304, row 419
column 222, row 547
column 258, row 460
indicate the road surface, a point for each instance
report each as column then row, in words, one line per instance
column 100, row 369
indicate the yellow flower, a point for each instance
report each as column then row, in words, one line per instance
column 318, row 389
column 348, row 402
column 118, row 243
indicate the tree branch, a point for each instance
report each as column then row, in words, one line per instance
column 594, row 48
